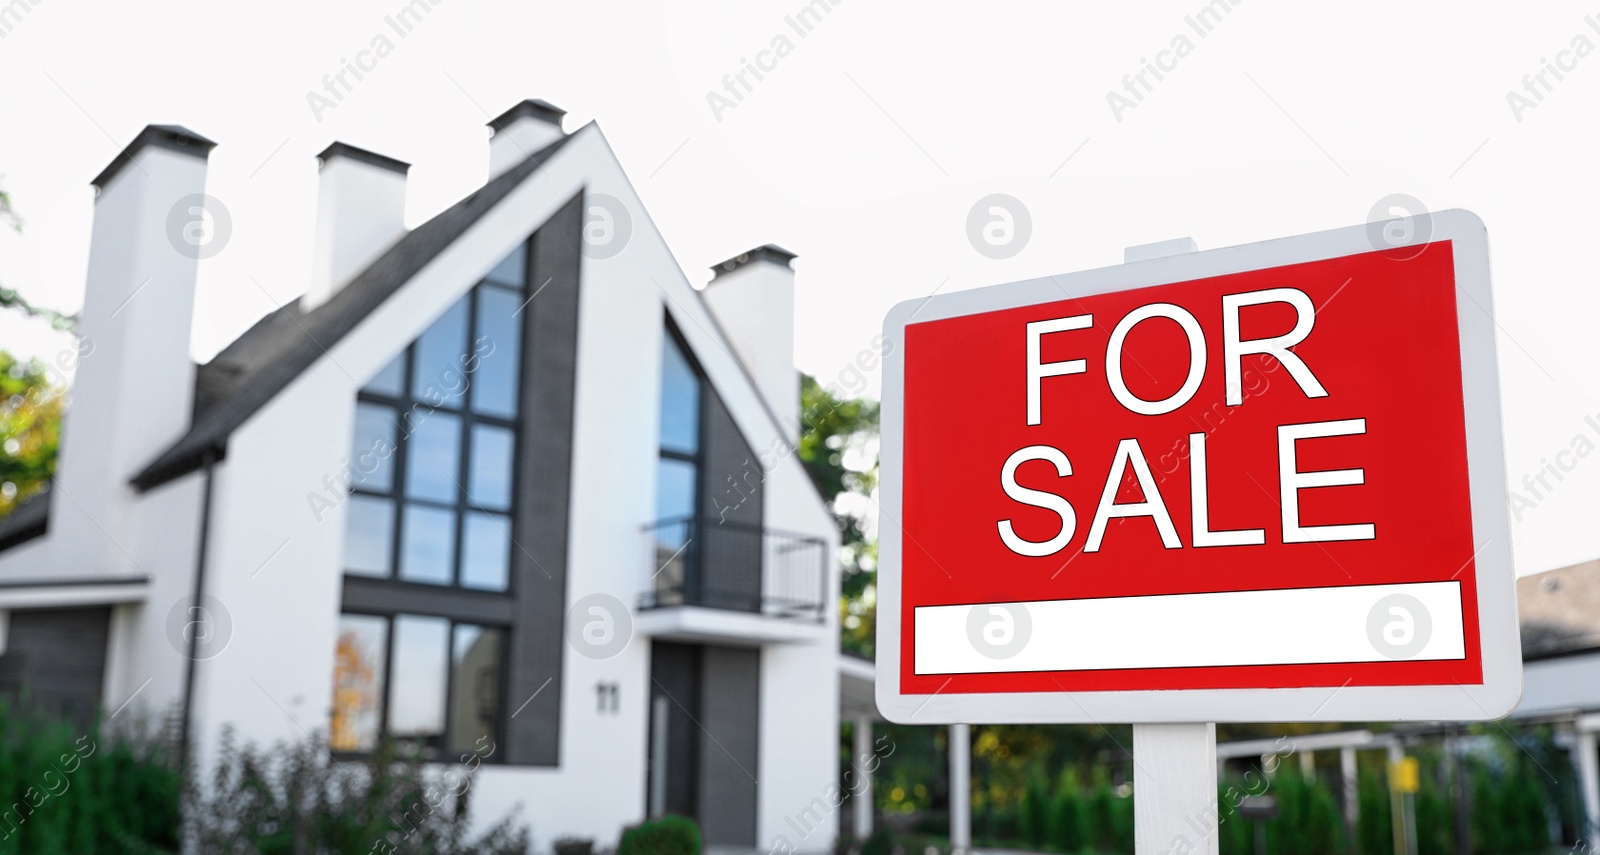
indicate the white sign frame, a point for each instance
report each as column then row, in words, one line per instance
column 1500, row 642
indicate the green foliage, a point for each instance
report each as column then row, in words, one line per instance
column 1308, row 816
column 1108, row 820
column 30, row 429
column 1374, row 817
column 293, row 799
column 1066, row 826
column 669, row 835
column 1235, row 834
column 1035, row 811
column 1434, row 816
column 69, row 790
column 880, row 842
column 1509, row 815
column 831, row 428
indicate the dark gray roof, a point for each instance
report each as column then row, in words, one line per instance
column 339, row 149
column 251, row 371
column 26, row 521
column 174, row 137
column 770, row 252
column 536, row 108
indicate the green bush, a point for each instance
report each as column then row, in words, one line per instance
column 669, row 835
column 1108, row 820
column 1374, row 816
column 1034, row 815
column 1308, row 816
column 1065, row 826
column 291, row 799
column 880, row 842
column 71, row 791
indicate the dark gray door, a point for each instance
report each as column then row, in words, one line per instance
column 705, row 704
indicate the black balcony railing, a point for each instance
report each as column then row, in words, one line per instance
column 735, row 566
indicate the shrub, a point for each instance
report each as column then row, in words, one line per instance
column 1374, row 819
column 1065, row 826
column 76, row 790
column 1308, row 816
column 292, row 799
column 573, row 846
column 881, row 842
column 669, row 835
column 1035, row 811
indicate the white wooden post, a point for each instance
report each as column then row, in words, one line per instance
column 960, row 748
column 1589, row 778
column 1175, row 809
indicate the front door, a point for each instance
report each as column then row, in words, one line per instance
column 704, row 702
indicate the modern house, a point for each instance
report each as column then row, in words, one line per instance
column 506, row 483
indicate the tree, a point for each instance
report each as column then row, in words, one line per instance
column 837, row 447
column 30, row 429
column 10, row 299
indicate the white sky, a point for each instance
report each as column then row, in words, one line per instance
column 864, row 149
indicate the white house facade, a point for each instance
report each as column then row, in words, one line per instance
column 505, row 479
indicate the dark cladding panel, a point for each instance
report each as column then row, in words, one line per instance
column 55, row 659
column 730, row 711
column 544, row 482
column 730, row 513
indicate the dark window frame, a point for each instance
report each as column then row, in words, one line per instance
column 391, row 596
column 407, row 402
column 695, row 518
column 442, row 751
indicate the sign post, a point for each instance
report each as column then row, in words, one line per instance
column 1260, row 483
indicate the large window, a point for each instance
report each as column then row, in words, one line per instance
column 435, row 445
column 431, row 504
column 677, row 472
column 417, row 677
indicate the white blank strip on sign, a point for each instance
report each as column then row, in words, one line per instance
column 1293, row 626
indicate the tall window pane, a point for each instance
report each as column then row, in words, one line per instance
column 428, row 545
column 433, row 452
column 369, row 536
column 390, row 381
column 497, row 348
column 358, row 669
column 417, row 682
column 372, row 449
column 680, row 401
column 475, row 693
column 486, row 552
column 489, row 483
column 439, row 377
column 510, row 270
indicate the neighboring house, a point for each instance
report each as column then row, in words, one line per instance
column 1560, row 616
column 505, row 479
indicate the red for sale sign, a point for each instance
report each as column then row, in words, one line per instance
column 1260, row 483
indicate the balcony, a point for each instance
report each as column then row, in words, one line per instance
column 723, row 581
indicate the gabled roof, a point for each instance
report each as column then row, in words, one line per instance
column 270, row 355
column 1560, row 610
column 26, row 521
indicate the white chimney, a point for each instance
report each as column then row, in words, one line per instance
column 361, row 206
column 752, row 296
column 521, row 131
column 134, row 390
